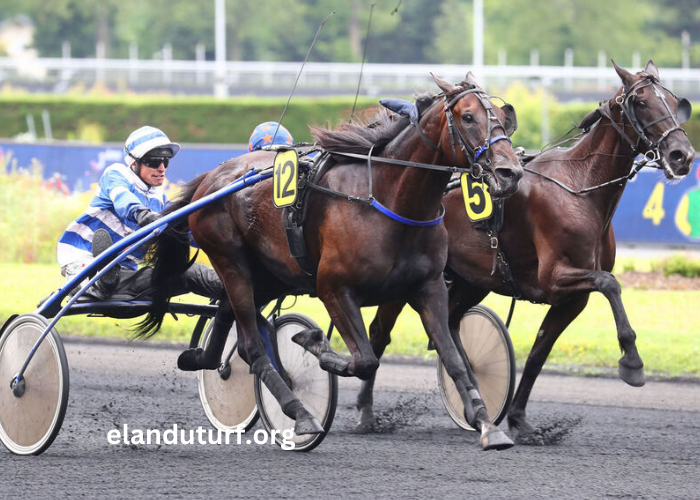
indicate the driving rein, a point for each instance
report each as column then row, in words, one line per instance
column 473, row 156
column 652, row 153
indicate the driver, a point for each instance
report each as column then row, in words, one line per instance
column 129, row 196
column 264, row 135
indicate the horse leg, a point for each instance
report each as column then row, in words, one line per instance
column 568, row 281
column 345, row 315
column 234, row 270
column 379, row 338
column 555, row 322
column 630, row 365
column 210, row 358
column 431, row 304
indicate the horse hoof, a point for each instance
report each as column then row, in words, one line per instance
column 334, row 363
column 520, row 429
column 187, row 361
column 307, row 424
column 311, row 339
column 192, row 360
column 495, row 439
column 632, row 376
column 367, row 421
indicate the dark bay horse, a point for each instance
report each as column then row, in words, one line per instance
column 362, row 256
column 560, row 245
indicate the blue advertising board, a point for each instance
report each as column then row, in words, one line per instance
column 651, row 211
column 79, row 167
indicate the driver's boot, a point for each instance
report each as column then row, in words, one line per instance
column 108, row 283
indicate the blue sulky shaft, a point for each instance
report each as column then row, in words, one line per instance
column 119, row 251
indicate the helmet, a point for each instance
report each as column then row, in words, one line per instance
column 146, row 139
column 263, row 136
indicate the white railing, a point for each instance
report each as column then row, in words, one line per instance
column 277, row 78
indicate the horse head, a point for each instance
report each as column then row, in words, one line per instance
column 656, row 115
column 478, row 133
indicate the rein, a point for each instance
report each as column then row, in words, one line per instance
column 652, row 154
column 473, row 155
column 638, row 165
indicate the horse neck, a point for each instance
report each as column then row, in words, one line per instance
column 610, row 157
column 414, row 192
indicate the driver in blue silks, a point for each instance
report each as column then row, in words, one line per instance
column 129, row 196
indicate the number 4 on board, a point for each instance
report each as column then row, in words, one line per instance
column 654, row 209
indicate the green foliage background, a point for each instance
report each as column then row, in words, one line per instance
column 438, row 31
column 206, row 120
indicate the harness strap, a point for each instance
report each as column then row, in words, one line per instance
column 635, row 170
column 394, row 161
column 403, row 220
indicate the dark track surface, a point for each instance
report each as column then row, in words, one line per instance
column 601, row 439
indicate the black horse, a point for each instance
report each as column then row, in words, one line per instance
column 557, row 233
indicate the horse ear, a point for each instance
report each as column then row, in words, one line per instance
column 444, row 86
column 652, row 70
column 684, row 110
column 511, row 124
column 626, row 77
column 471, row 80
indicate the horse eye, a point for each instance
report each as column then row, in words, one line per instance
column 468, row 117
column 642, row 104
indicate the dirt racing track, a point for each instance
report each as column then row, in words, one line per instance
column 599, row 438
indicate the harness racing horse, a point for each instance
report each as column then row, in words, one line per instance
column 557, row 233
column 362, row 256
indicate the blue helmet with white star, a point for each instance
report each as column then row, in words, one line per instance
column 264, row 135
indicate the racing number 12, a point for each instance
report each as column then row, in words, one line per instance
column 284, row 179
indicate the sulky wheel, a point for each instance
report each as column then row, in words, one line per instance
column 31, row 417
column 316, row 389
column 227, row 394
column 490, row 352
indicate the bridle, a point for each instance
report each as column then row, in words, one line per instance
column 473, row 155
column 626, row 102
column 652, row 154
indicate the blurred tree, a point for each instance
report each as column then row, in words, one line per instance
column 58, row 21
column 416, row 32
column 677, row 16
column 412, row 38
column 587, row 26
column 150, row 25
column 453, row 42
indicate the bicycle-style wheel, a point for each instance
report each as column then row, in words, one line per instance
column 488, row 347
column 228, row 393
column 316, row 388
column 31, row 420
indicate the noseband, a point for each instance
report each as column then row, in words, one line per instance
column 626, row 103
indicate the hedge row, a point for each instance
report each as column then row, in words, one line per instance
column 205, row 120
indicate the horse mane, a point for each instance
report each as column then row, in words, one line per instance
column 358, row 136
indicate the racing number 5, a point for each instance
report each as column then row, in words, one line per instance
column 477, row 199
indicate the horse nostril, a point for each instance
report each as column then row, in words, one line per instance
column 677, row 156
column 505, row 173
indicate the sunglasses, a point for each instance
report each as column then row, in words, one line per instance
column 155, row 161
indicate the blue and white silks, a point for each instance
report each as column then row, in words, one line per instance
column 119, row 195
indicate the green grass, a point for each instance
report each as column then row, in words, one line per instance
column 665, row 322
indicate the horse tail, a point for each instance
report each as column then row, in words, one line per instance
column 169, row 257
